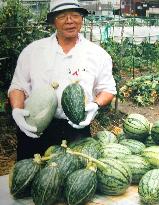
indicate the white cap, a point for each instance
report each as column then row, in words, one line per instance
column 61, row 5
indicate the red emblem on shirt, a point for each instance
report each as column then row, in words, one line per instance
column 75, row 73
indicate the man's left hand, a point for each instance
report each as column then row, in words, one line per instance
column 91, row 111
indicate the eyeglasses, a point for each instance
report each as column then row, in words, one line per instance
column 63, row 17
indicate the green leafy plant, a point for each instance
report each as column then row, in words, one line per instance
column 131, row 60
column 19, row 27
column 143, row 90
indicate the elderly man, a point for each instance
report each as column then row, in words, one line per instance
column 63, row 57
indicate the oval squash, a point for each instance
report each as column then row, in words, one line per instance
column 73, row 102
column 46, row 185
column 22, row 175
column 42, row 104
column 149, row 187
column 81, row 185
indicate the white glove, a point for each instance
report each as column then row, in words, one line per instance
column 60, row 114
column 91, row 111
column 19, row 117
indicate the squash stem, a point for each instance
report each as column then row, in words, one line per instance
column 91, row 159
column 55, row 85
column 46, row 158
column 37, row 158
column 64, row 144
column 53, row 164
column 91, row 166
column 151, row 124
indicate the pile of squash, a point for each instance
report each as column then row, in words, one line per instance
column 57, row 176
column 106, row 164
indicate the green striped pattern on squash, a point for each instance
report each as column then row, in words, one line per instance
column 135, row 146
column 114, row 150
column 81, row 186
column 91, row 148
column 137, row 127
column 152, row 155
column 22, row 175
column 56, row 149
column 149, row 187
column 46, row 185
column 73, row 102
column 138, row 166
column 105, row 137
column 114, row 178
column 155, row 132
column 81, row 141
column 66, row 162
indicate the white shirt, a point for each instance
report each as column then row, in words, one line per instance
column 43, row 62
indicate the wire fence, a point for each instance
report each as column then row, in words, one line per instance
column 101, row 26
column 132, row 42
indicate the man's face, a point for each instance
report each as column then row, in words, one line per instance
column 68, row 24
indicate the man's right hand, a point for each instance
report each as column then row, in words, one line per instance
column 19, row 117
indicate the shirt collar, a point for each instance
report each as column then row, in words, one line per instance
column 58, row 48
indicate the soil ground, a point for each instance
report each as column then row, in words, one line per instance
column 8, row 137
column 150, row 112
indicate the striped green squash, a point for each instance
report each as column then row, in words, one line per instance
column 81, row 141
column 53, row 149
column 46, row 186
column 66, row 162
column 149, row 187
column 91, row 148
column 114, row 150
column 56, row 149
column 152, row 155
column 138, row 166
column 105, row 137
column 137, row 127
column 155, row 132
column 22, row 175
column 135, row 146
column 73, row 102
column 114, row 178
column 81, row 185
